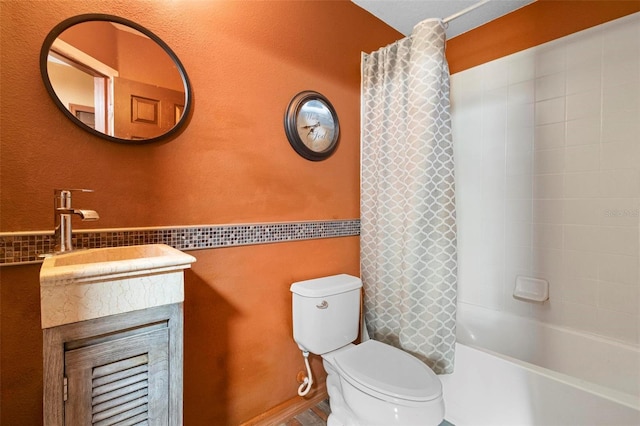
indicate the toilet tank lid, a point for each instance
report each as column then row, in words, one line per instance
column 326, row 286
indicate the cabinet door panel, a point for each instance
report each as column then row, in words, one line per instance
column 119, row 381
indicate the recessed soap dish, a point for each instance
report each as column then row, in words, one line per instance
column 531, row 289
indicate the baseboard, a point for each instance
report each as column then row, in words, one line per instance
column 282, row 412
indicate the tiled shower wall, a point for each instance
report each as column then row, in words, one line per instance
column 548, row 179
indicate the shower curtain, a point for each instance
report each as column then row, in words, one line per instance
column 408, row 229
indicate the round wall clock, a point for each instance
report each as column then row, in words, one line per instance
column 311, row 125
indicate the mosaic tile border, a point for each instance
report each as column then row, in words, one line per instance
column 23, row 248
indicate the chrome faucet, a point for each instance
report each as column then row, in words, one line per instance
column 62, row 213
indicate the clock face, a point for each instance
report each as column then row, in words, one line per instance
column 316, row 125
column 311, row 125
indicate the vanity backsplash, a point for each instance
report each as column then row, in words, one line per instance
column 26, row 247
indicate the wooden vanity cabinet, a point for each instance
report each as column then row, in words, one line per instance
column 124, row 366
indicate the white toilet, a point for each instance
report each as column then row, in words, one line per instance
column 370, row 384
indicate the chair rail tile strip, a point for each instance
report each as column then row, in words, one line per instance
column 26, row 247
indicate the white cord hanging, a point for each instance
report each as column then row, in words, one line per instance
column 305, row 387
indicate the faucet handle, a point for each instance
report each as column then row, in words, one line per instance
column 59, row 191
column 62, row 197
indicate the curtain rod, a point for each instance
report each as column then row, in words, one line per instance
column 464, row 11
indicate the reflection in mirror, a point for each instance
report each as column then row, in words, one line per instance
column 115, row 79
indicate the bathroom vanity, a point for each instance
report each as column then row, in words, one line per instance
column 112, row 324
column 126, row 366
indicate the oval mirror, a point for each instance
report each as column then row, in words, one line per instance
column 115, row 79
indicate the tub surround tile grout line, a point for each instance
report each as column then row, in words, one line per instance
column 19, row 248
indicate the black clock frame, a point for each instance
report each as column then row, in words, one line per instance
column 291, row 126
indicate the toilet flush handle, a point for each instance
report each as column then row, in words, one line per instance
column 323, row 305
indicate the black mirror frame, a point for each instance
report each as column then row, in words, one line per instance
column 67, row 23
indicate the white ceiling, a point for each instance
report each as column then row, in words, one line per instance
column 403, row 15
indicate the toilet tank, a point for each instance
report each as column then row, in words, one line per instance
column 326, row 312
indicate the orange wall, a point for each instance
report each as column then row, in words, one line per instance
column 537, row 23
column 141, row 59
column 136, row 58
column 232, row 164
column 97, row 39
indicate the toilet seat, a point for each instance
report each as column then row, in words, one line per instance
column 388, row 373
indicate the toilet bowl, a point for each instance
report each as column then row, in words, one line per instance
column 370, row 384
column 375, row 384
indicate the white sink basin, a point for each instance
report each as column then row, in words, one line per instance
column 87, row 284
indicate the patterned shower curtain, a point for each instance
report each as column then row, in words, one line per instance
column 408, row 228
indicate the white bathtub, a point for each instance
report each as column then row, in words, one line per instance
column 513, row 371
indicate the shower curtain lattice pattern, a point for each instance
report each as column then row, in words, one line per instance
column 408, row 231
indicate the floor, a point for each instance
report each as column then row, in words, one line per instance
column 317, row 416
column 314, row 416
